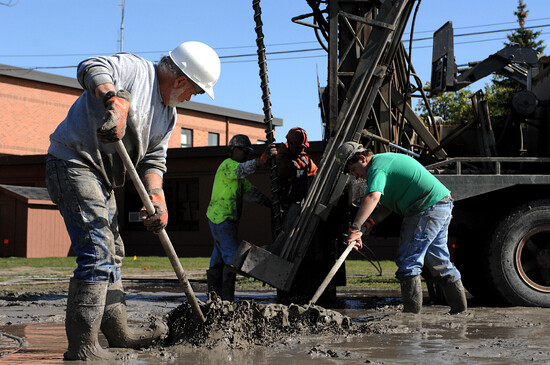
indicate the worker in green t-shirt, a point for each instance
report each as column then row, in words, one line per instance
column 224, row 211
column 402, row 185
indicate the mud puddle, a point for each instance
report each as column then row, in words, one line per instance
column 481, row 336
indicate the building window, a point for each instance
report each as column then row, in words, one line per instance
column 186, row 137
column 213, row 139
column 182, row 201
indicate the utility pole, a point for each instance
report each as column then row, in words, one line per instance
column 122, row 27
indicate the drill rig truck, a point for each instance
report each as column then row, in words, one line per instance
column 499, row 177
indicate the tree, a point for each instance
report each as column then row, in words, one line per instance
column 524, row 37
column 502, row 88
column 455, row 107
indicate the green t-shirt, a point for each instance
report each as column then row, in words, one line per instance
column 407, row 187
column 227, row 193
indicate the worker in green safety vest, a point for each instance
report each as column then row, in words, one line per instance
column 224, row 210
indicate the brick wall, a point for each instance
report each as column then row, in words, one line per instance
column 31, row 110
column 226, row 127
column 29, row 113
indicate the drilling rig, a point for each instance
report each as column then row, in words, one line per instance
column 499, row 177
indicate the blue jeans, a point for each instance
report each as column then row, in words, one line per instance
column 89, row 210
column 423, row 241
column 225, row 242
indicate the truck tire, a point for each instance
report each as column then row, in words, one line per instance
column 519, row 255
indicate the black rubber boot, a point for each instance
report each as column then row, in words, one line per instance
column 85, row 305
column 455, row 295
column 228, row 284
column 214, row 279
column 115, row 323
column 411, row 292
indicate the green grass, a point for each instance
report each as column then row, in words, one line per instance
column 163, row 263
column 363, row 274
column 51, row 262
column 360, row 274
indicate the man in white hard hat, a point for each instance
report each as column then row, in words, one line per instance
column 131, row 99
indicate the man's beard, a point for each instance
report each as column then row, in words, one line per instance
column 173, row 99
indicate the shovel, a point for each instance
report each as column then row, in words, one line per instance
column 333, row 271
column 163, row 236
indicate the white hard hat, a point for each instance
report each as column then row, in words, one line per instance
column 199, row 62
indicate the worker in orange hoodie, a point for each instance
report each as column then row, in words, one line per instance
column 296, row 168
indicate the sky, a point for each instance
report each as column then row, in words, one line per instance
column 53, row 36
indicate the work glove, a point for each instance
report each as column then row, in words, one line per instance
column 159, row 220
column 114, row 123
column 369, row 224
column 268, row 154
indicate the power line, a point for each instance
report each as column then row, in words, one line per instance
column 302, row 57
column 289, row 51
column 485, row 32
column 270, row 45
column 482, row 25
column 273, row 53
column 10, row 3
column 282, row 59
column 470, row 42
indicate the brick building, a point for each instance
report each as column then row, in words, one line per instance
column 33, row 103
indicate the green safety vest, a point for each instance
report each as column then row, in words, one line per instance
column 227, row 193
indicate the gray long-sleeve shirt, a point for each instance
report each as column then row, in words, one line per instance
column 149, row 122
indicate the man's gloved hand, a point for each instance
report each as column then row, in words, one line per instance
column 268, row 154
column 159, row 220
column 114, row 123
column 369, row 224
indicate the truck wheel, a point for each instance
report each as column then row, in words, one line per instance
column 519, row 255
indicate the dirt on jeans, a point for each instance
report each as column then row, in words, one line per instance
column 366, row 327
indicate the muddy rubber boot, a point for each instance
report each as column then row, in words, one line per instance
column 214, row 279
column 114, row 324
column 411, row 292
column 455, row 295
column 228, row 284
column 85, row 305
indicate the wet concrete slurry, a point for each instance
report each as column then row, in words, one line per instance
column 482, row 335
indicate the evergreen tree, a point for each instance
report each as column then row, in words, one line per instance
column 524, row 37
column 452, row 106
column 503, row 88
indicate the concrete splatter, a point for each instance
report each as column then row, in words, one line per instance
column 247, row 323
